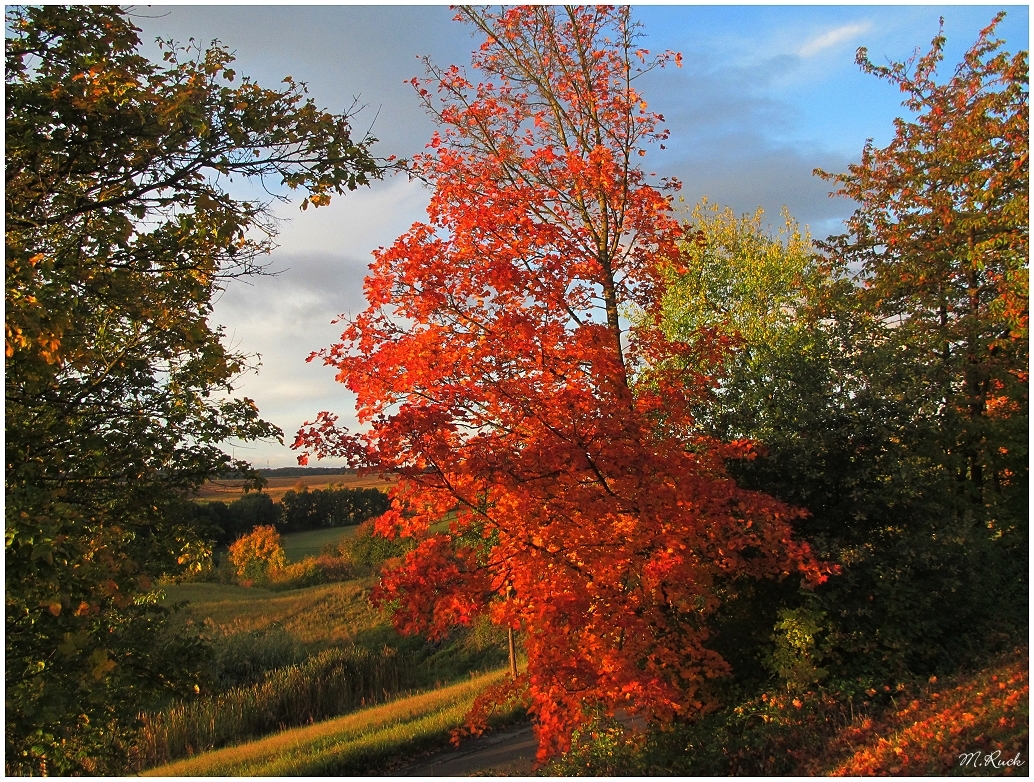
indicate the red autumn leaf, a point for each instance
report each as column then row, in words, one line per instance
column 500, row 381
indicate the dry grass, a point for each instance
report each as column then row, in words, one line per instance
column 355, row 744
column 277, row 487
column 329, row 613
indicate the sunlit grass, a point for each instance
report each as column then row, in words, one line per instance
column 328, row 613
column 354, row 744
column 299, row 545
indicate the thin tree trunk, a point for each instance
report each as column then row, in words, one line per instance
column 513, row 654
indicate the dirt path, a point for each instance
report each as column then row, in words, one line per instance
column 504, row 753
column 508, row 752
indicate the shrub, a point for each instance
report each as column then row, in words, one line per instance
column 795, row 658
column 324, row 569
column 368, row 549
column 258, row 555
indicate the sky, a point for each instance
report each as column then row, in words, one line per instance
column 766, row 94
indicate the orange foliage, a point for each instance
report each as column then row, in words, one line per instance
column 976, row 726
column 942, row 236
column 258, row 555
column 499, row 381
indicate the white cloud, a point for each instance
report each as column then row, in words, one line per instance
column 833, row 37
column 353, row 224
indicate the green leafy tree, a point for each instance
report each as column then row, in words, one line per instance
column 783, row 380
column 751, row 292
column 941, row 236
column 321, row 508
column 738, row 278
column 119, row 231
column 886, row 380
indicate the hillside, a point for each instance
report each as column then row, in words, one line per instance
column 972, row 724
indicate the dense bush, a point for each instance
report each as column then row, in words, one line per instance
column 258, row 556
column 368, row 550
column 323, row 569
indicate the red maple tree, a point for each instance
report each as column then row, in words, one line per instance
column 499, row 377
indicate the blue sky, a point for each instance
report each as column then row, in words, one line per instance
column 766, row 94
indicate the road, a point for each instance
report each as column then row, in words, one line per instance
column 507, row 752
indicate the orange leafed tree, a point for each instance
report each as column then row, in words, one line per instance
column 942, row 238
column 498, row 377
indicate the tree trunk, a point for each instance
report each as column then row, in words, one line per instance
column 513, row 654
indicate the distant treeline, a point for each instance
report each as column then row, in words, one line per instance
column 296, row 512
column 301, row 472
column 285, row 472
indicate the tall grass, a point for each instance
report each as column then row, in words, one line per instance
column 329, row 684
column 356, row 744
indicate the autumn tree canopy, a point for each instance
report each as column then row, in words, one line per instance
column 941, row 236
column 118, row 390
column 496, row 373
column 887, row 377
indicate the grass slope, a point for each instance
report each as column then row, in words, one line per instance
column 358, row 743
column 328, row 613
column 969, row 725
column 299, row 545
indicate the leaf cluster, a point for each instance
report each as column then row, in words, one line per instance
column 119, row 231
column 889, row 393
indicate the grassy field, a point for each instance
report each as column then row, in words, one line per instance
column 328, row 613
column 276, row 487
column 299, row 545
column 360, row 743
column 283, row 657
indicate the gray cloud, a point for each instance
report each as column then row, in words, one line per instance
column 341, row 52
column 749, row 116
column 744, row 173
column 726, row 123
column 708, row 96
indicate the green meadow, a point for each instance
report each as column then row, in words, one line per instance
column 326, row 613
column 299, row 545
